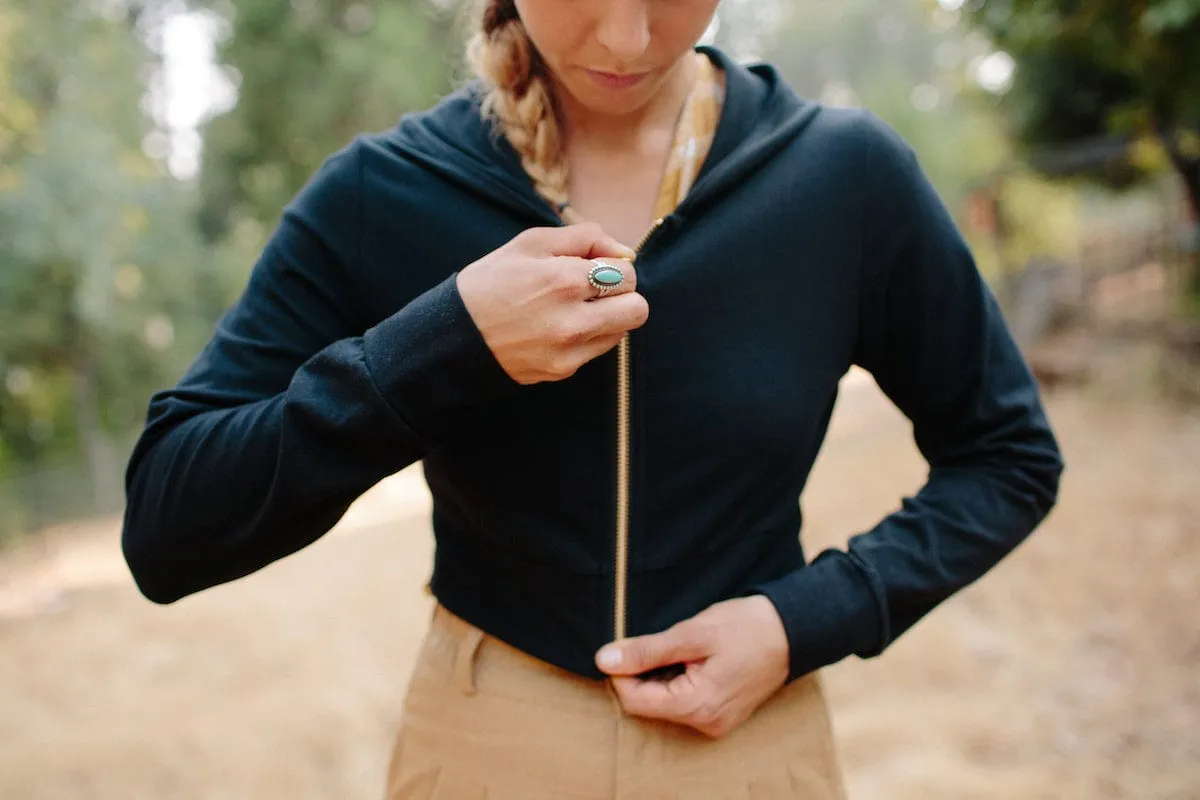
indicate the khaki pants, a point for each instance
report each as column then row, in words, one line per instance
column 484, row 721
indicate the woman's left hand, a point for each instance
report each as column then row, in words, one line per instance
column 736, row 657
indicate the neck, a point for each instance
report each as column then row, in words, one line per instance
column 637, row 129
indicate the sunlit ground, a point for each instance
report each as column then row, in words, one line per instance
column 1072, row 671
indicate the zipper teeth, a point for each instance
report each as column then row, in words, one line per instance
column 657, row 224
column 620, row 583
column 621, row 571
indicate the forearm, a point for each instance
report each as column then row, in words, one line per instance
column 962, row 523
column 934, row 338
column 224, row 492
column 220, row 486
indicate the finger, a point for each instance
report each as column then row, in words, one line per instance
column 585, row 240
column 608, row 247
column 624, row 266
column 569, row 275
column 675, row 700
column 575, row 272
column 678, row 644
column 614, row 315
column 594, row 348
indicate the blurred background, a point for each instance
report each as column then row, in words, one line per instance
column 146, row 150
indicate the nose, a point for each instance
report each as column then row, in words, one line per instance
column 624, row 28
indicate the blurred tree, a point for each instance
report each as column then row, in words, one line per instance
column 907, row 62
column 310, row 74
column 1106, row 77
column 104, row 287
column 914, row 63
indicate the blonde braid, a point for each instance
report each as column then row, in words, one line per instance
column 520, row 98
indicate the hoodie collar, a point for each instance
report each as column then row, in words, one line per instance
column 760, row 115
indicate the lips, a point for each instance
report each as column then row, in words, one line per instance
column 612, row 80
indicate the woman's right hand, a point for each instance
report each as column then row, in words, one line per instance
column 531, row 301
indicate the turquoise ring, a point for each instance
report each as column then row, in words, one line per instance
column 604, row 277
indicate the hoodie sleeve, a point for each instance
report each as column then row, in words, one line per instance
column 292, row 410
column 932, row 335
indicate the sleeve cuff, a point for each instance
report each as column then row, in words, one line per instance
column 430, row 362
column 828, row 610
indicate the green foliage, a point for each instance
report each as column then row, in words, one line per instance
column 311, row 75
column 1088, row 70
column 911, row 63
column 103, row 285
column 113, row 272
column 107, row 287
column 908, row 65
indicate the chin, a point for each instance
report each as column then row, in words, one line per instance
column 609, row 101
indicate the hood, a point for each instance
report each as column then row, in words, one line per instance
column 761, row 115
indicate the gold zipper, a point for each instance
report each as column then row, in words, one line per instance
column 621, row 564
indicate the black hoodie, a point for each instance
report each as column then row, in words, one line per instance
column 810, row 242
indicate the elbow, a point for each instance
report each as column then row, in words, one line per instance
column 1032, row 458
column 1049, row 470
column 150, row 551
column 1060, row 466
column 148, row 562
column 155, row 591
column 165, row 528
column 150, row 582
column 1025, row 472
column 1036, row 473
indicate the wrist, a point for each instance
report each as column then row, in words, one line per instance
column 771, row 633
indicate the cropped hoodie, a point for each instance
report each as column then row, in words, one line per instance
column 629, row 496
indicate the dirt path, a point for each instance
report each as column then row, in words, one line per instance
column 1072, row 671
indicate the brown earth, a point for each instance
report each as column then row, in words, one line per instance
column 1071, row 671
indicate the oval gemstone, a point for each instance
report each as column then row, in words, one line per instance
column 608, row 276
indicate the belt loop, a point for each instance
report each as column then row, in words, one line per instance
column 464, row 662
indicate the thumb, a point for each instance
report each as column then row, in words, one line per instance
column 676, row 645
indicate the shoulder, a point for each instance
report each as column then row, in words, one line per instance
column 372, row 160
column 849, row 139
column 866, row 149
column 761, row 104
column 331, row 195
column 866, row 137
column 456, row 121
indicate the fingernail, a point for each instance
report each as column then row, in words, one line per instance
column 609, row 657
column 628, row 252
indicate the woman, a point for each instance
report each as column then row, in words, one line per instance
column 614, row 456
